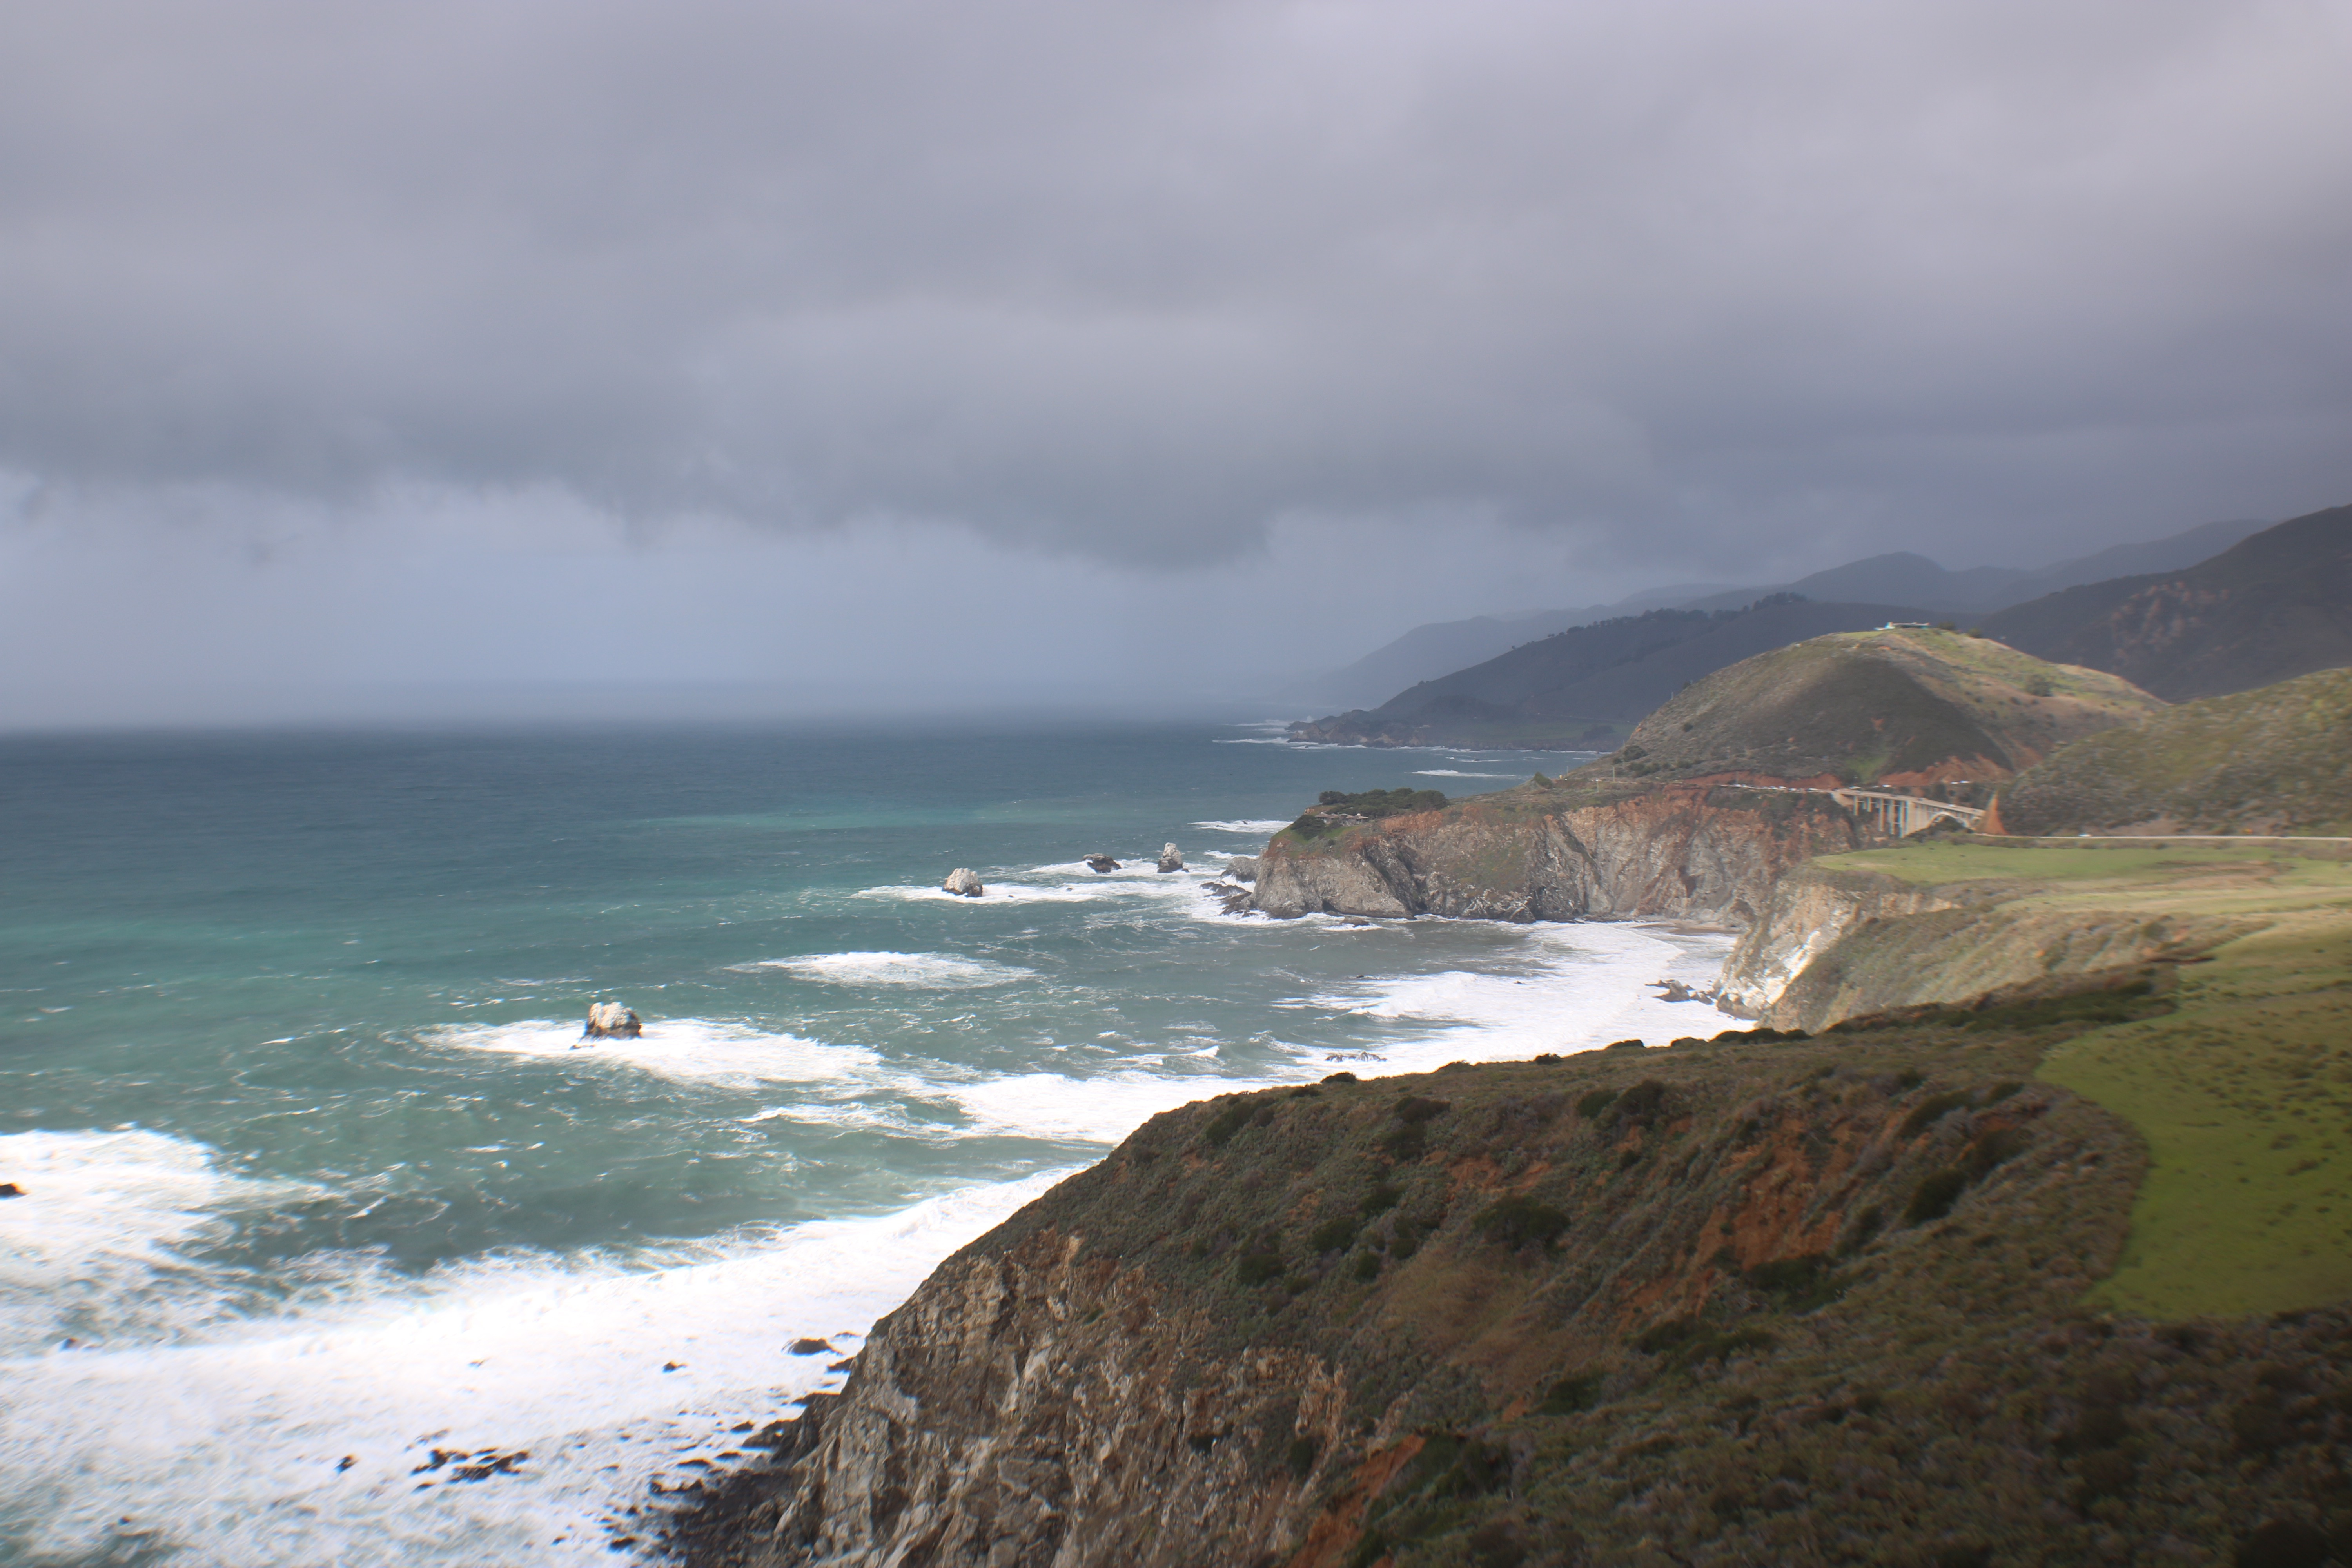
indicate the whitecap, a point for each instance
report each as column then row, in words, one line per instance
column 1114, row 886
column 930, row 971
column 683, row 1049
column 1456, row 774
column 231, row 1451
column 1575, row 987
column 1255, row 830
column 101, row 1213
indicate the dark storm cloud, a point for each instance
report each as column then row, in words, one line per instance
column 1133, row 281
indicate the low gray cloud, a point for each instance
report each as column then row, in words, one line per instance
column 1755, row 287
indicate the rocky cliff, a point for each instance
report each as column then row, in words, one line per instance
column 1540, row 852
column 1834, row 942
column 1738, row 1301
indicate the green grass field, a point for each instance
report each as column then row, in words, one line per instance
column 2243, row 1093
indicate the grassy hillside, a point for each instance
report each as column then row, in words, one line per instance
column 1904, row 707
column 2241, row 1086
column 2274, row 760
column 1557, row 691
column 2275, row 605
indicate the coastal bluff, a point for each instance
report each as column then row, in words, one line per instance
column 1745, row 1299
column 1544, row 853
column 1715, row 794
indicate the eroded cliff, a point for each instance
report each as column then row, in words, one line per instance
column 1731, row 1302
column 1537, row 852
column 1843, row 940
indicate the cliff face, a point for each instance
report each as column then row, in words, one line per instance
column 1731, row 1302
column 1801, row 917
column 1043, row 1405
column 1684, row 853
column 1832, row 944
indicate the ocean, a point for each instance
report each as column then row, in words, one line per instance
column 329, row 1213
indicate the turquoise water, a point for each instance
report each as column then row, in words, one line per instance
column 319, row 1169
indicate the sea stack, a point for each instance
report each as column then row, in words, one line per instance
column 1169, row 859
column 963, row 882
column 1101, row 863
column 611, row 1021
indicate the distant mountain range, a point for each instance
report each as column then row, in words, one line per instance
column 2272, row 605
column 1427, row 652
column 1586, row 686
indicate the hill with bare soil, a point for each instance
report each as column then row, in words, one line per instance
column 1896, row 707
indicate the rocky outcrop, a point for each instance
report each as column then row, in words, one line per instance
column 963, row 882
column 1529, row 854
column 1101, row 863
column 1800, row 918
column 1170, row 861
column 1242, row 867
column 611, row 1021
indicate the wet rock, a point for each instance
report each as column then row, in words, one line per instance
column 1170, row 861
column 963, row 882
column 611, row 1021
column 1101, row 863
column 811, row 1347
column 1242, row 868
column 10, row 1189
column 1676, row 991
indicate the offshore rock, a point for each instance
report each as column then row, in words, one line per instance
column 611, row 1021
column 1682, row 852
column 963, row 882
column 1169, row 859
column 1242, row 867
column 10, row 1189
column 1101, row 863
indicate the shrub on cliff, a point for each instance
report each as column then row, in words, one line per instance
column 1520, row 1221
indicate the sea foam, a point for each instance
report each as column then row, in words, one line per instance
column 685, row 1049
column 228, row 1448
column 928, row 971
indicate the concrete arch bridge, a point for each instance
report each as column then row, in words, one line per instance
column 1897, row 815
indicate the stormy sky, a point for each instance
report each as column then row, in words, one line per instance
column 579, row 357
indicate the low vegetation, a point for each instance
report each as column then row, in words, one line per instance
column 1909, row 707
column 1749, row 1298
column 1334, row 809
column 2237, row 1073
column 2274, row 760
